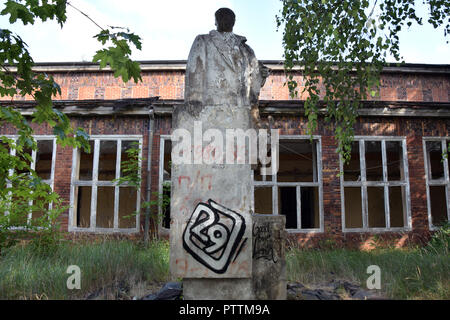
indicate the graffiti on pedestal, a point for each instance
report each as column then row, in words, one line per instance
column 214, row 235
column 264, row 243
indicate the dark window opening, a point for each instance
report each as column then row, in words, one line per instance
column 438, row 199
column 86, row 163
column 296, row 161
column 83, row 206
column 309, row 207
column 377, row 218
column 374, row 162
column 288, row 206
column 44, row 153
column 166, row 207
column 105, row 207
column 263, row 200
column 352, row 170
column 434, row 149
column 353, row 207
column 127, row 207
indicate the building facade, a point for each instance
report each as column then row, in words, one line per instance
column 396, row 188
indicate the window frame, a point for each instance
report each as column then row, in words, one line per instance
column 51, row 181
column 385, row 183
column 436, row 182
column 94, row 183
column 317, row 166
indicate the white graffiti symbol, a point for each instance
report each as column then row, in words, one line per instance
column 213, row 235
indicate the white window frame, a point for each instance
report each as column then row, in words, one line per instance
column 161, row 181
column 317, row 167
column 363, row 184
column 436, row 182
column 94, row 183
column 50, row 181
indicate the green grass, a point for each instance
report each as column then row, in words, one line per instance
column 25, row 274
column 405, row 273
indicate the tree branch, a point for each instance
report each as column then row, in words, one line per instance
column 84, row 14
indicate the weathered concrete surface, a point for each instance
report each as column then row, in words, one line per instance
column 269, row 257
column 222, row 70
column 211, row 223
column 228, row 187
column 217, row 289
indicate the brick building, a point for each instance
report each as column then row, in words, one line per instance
column 396, row 187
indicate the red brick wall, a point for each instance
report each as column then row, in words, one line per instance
column 411, row 128
column 170, row 85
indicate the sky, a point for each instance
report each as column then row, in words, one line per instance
column 168, row 28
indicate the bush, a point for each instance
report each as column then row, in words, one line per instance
column 440, row 241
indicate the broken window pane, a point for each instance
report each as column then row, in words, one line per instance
column 25, row 156
column 377, row 218
column 352, row 170
column 436, row 165
column 167, row 159
column 127, row 207
column 86, row 163
column 44, row 154
column 296, row 161
column 263, row 200
column 166, row 208
column 4, row 172
column 107, row 160
column 124, row 157
column 374, row 162
column 310, row 207
column 397, row 206
column 287, row 205
column 438, row 201
column 353, row 207
column 83, row 194
column 394, row 157
column 105, row 207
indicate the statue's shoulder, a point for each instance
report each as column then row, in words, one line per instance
column 242, row 39
column 202, row 37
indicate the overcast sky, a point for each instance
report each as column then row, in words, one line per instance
column 168, row 28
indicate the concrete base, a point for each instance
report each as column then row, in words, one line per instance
column 269, row 258
column 217, row 289
column 268, row 280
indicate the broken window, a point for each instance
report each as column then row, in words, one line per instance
column 375, row 187
column 352, row 170
column 263, row 200
column 165, row 160
column 295, row 191
column 99, row 203
column 438, row 193
column 41, row 161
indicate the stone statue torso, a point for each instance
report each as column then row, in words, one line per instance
column 222, row 70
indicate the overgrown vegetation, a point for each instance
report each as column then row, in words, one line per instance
column 410, row 273
column 22, row 192
column 29, row 274
column 131, row 177
column 440, row 241
column 405, row 274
